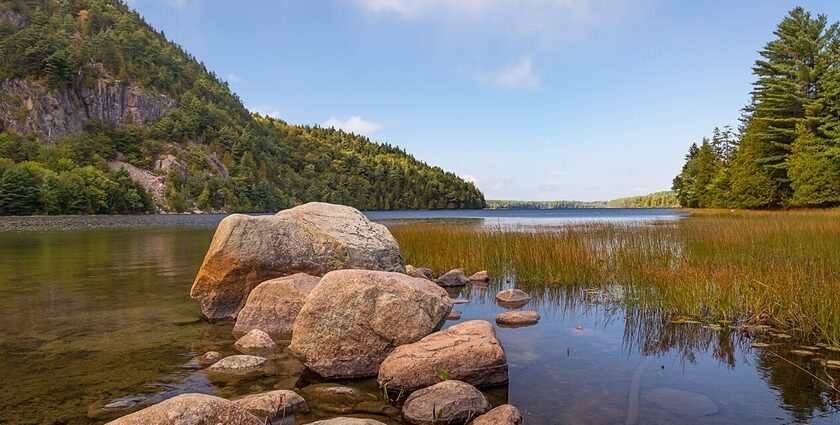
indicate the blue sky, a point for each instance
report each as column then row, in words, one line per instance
column 532, row 99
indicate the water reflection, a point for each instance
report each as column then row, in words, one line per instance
column 102, row 318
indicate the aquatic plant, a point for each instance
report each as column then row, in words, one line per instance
column 779, row 268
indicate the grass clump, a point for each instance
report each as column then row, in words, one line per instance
column 781, row 268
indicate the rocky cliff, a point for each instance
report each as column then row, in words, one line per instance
column 29, row 106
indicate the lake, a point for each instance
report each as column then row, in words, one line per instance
column 96, row 311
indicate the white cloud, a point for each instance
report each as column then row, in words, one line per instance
column 354, row 124
column 518, row 75
column 233, row 78
column 268, row 111
column 546, row 20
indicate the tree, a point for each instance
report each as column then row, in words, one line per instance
column 19, row 191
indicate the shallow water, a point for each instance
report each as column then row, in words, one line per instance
column 102, row 314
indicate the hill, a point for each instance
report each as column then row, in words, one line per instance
column 664, row 199
column 100, row 113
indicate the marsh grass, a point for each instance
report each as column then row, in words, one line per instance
column 778, row 268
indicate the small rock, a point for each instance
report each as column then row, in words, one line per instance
column 274, row 304
column 454, row 315
column 454, row 277
column 461, row 301
column 683, row 403
column 481, row 276
column 190, row 409
column 505, row 414
column 272, row 404
column 518, row 318
column 469, row 352
column 447, row 402
column 347, row 421
column 423, row 273
column 208, row 358
column 239, row 364
column 257, row 343
column 513, row 296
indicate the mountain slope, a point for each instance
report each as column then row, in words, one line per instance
column 88, row 85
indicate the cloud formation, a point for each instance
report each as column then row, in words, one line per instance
column 233, row 78
column 546, row 20
column 354, row 124
column 517, row 75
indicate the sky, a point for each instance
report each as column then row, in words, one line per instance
column 530, row 99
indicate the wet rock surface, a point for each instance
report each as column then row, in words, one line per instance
column 333, row 398
column 313, row 238
column 447, row 402
column 347, row 421
column 468, row 352
column 273, row 305
column 347, row 326
column 239, row 364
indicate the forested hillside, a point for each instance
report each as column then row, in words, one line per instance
column 787, row 151
column 100, row 113
column 664, row 199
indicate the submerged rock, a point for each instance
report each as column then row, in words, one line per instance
column 313, row 238
column 274, row 304
column 468, row 352
column 257, row 343
column 333, row 398
column 191, row 409
column 513, row 296
column 272, row 404
column 682, row 403
column 517, row 318
column 454, row 315
column 355, row 318
column 454, row 277
column 239, row 365
column 505, row 414
column 481, row 276
column 447, row 402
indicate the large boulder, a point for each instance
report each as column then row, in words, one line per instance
column 190, row 409
column 274, row 304
column 448, row 402
column 273, row 404
column 354, row 318
column 505, row 414
column 313, row 238
column 469, row 352
column 256, row 343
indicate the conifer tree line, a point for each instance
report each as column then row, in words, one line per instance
column 232, row 160
column 786, row 152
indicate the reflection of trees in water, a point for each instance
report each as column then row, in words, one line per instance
column 800, row 393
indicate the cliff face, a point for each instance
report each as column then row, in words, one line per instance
column 28, row 106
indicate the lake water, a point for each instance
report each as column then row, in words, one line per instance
column 96, row 309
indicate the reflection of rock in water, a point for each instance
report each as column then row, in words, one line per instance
column 193, row 383
column 682, row 403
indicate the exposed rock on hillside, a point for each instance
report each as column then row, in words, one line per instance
column 29, row 106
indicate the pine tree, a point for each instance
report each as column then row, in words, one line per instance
column 786, row 88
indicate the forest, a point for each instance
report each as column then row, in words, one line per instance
column 232, row 160
column 664, row 199
column 786, row 152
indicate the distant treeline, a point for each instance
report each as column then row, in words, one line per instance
column 664, row 199
column 787, row 151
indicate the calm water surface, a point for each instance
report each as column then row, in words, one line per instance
column 95, row 310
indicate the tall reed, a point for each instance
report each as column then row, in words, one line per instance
column 781, row 268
